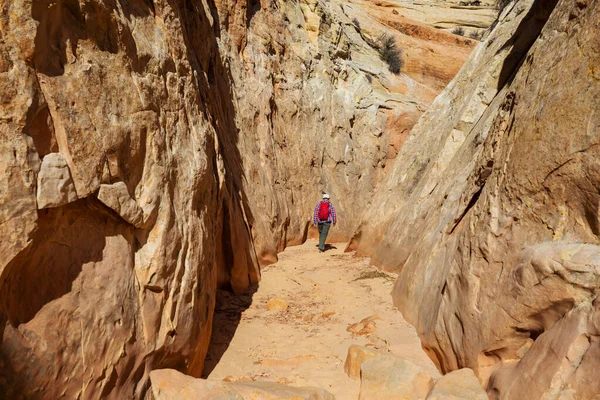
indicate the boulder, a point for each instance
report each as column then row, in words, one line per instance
column 55, row 186
column 356, row 356
column 117, row 197
column 458, row 385
column 390, row 377
column 168, row 384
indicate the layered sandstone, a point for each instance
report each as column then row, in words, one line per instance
column 490, row 211
column 120, row 195
column 151, row 150
column 317, row 108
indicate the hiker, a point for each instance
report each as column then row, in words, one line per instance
column 323, row 217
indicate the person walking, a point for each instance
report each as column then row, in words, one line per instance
column 323, row 217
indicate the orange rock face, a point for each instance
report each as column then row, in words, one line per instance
column 490, row 210
column 151, row 151
column 118, row 197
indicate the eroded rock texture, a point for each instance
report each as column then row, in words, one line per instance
column 490, row 211
column 116, row 185
column 151, row 150
column 317, row 108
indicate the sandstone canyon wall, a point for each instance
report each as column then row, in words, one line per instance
column 318, row 110
column 490, row 211
column 151, row 150
column 119, row 193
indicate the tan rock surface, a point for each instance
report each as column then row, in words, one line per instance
column 390, row 377
column 55, row 186
column 198, row 137
column 89, row 302
column 275, row 391
column 490, row 210
column 168, row 384
column 461, row 384
column 356, row 356
column 117, row 198
column 320, row 111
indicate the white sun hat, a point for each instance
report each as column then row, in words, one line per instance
column 326, row 196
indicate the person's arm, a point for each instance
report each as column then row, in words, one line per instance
column 333, row 215
column 316, row 214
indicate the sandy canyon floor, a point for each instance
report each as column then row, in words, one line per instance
column 306, row 343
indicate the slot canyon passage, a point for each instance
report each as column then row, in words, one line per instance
column 160, row 161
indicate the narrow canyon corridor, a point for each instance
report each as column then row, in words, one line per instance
column 160, row 162
column 306, row 343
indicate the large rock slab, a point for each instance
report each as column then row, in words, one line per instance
column 93, row 93
column 461, row 384
column 490, row 210
column 391, row 377
column 217, row 124
column 169, row 384
column 275, row 391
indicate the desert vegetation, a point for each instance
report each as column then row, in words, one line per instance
column 390, row 53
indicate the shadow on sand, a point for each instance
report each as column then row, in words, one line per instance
column 228, row 314
column 328, row 247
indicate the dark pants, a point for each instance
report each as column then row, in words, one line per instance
column 323, row 231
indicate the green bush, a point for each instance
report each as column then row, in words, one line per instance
column 459, row 31
column 475, row 35
column 390, row 53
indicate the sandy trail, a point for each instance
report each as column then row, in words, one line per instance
column 306, row 345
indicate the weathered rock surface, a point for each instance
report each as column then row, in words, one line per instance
column 441, row 14
column 168, row 384
column 356, row 356
column 172, row 147
column 490, row 211
column 54, row 184
column 91, row 301
column 461, row 384
column 117, row 198
column 391, row 377
column 318, row 110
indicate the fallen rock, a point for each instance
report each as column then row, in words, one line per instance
column 356, row 356
column 390, row 377
column 277, row 305
column 55, row 185
column 365, row 326
column 116, row 197
column 458, row 385
column 168, row 384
